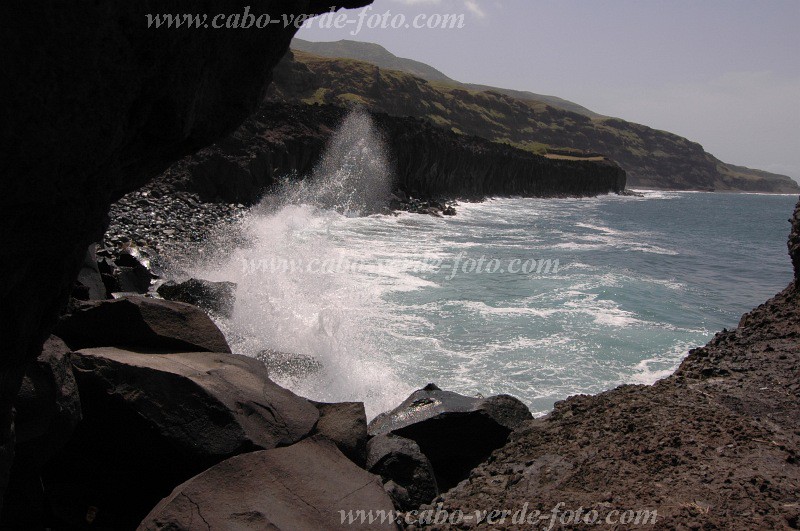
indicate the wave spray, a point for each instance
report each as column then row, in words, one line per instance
column 318, row 327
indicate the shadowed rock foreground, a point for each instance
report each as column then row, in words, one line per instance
column 95, row 104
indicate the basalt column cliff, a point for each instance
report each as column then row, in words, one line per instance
column 94, row 104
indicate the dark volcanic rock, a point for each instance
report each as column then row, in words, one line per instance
column 429, row 162
column 47, row 410
column 309, row 485
column 794, row 245
column 400, row 462
column 132, row 272
column 455, row 432
column 214, row 297
column 141, row 322
column 167, row 220
column 345, row 424
column 96, row 103
column 89, row 276
column 48, row 406
column 152, row 421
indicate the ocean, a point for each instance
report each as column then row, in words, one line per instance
column 538, row 298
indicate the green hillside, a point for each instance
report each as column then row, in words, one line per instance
column 380, row 56
column 652, row 158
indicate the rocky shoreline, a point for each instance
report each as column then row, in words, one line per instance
column 185, row 205
column 137, row 397
column 712, row 446
column 709, row 447
column 133, row 412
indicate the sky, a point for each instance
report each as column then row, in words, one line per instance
column 724, row 73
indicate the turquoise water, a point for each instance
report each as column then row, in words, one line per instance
column 639, row 282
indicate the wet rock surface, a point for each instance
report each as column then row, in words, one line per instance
column 303, row 486
column 288, row 365
column 163, row 217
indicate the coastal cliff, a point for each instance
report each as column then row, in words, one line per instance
column 651, row 158
column 428, row 161
column 95, row 104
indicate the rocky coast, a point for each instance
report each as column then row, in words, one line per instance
column 714, row 446
column 138, row 363
column 122, row 409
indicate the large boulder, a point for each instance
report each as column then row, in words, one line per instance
column 214, row 297
column 407, row 473
column 345, row 424
column 309, row 485
column 152, row 421
column 47, row 410
column 143, row 323
column 455, row 432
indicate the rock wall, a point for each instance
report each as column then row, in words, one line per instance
column 428, row 161
column 433, row 162
column 95, row 104
column 794, row 245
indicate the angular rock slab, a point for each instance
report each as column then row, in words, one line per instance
column 152, row 421
column 401, row 463
column 309, row 485
column 141, row 322
column 345, row 424
column 208, row 403
column 455, row 432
